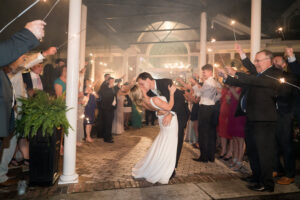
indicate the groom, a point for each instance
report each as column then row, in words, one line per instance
column 159, row 87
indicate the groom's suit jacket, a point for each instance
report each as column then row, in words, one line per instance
column 180, row 106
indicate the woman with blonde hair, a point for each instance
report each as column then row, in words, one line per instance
column 159, row 162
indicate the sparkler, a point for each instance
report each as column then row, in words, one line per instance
column 282, row 80
column 50, row 9
column 232, row 24
column 280, row 30
column 24, row 11
column 222, row 59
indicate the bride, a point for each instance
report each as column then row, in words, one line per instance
column 159, row 162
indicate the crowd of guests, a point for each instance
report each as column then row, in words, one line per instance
column 116, row 112
column 10, row 50
column 109, row 110
column 247, row 109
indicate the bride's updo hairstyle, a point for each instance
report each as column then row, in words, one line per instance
column 136, row 96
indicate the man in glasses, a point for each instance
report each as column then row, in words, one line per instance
column 259, row 103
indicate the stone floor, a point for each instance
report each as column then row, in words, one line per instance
column 104, row 166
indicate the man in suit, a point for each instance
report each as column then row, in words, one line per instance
column 10, row 50
column 159, row 87
column 285, row 103
column 108, row 104
column 99, row 121
column 261, row 117
column 288, row 99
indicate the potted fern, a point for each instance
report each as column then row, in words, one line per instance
column 42, row 120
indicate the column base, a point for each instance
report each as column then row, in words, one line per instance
column 68, row 179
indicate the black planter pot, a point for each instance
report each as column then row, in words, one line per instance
column 44, row 158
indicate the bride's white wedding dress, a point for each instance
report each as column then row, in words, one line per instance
column 159, row 162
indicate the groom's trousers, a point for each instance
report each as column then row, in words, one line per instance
column 181, row 126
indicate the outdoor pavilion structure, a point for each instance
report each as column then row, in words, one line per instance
column 75, row 61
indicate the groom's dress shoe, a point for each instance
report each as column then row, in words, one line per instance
column 109, row 141
column 261, row 188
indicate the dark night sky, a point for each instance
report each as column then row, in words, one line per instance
column 130, row 15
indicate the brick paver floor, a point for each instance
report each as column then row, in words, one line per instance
column 103, row 166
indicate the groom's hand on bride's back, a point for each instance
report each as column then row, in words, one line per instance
column 167, row 119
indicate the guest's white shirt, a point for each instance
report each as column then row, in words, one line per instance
column 36, row 81
column 208, row 92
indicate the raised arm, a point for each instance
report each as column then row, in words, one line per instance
column 245, row 60
column 21, row 42
column 167, row 106
column 187, row 86
column 255, row 81
column 293, row 64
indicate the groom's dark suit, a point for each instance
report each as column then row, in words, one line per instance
column 180, row 108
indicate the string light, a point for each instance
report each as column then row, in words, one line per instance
column 209, row 49
column 212, row 25
column 216, row 65
column 91, row 54
column 72, row 37
column 213, row 40
column 176, row 65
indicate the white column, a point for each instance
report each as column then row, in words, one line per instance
column 203, row 36
column 82, row 43
column 69, row 175
column 255, row 27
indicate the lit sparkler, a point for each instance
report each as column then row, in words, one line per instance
column 24, row 11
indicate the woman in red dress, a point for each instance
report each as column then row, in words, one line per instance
column 223, row 124
column 236, row 126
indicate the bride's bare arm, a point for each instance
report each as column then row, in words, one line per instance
column 148, row 107
column 165, row 105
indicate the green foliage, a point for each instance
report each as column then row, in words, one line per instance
column 42, row 111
